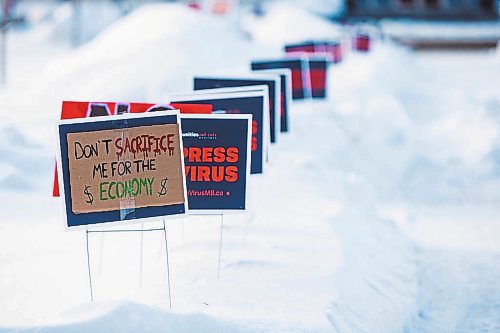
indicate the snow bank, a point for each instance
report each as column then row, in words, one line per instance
column 148, row 53
column 55, row 22
column 155, row 50
column 291, row 23
column 20, row 156
column 419, row 149
column 377, row 275
column 425, row 127
column 58, row 26
column 135, row 317
column 468, row 227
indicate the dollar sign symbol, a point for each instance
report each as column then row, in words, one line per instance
column 163, row 185
column 89, row 195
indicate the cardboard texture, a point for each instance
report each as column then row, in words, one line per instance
column 127, row 168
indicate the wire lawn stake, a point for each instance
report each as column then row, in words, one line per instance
column 88, row 266
column 226, row 147
column 142, row 230
column 142, row 252
column 168, row 266
column 220, row 243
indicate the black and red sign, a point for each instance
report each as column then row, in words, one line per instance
column 301, row 83
column 217, row 161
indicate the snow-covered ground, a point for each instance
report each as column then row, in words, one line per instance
column 380, row 211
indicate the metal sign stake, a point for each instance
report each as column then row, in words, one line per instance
column 88, row 266
column 142, row 252
column 220, row 244
column 168, row 266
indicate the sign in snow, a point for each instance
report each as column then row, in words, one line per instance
column 361, row 42
column 122, row 168
column 285, row 76
column 301, row 83
column 272, row 82
column 252, row 100
column 217, row 161
column 318, row 71
column 331, row 49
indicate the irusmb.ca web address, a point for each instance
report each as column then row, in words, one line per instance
column 208, row 193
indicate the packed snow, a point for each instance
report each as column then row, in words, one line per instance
column 379, row 211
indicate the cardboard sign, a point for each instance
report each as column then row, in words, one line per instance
column 75, row 110
column 301, row 82
column 118, row 169
column 272, row 82
column 217, row 161
column 286, row 94
column 241, row 100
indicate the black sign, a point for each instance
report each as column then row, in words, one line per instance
column 217, row 161
column 251, row 101
column 272, row 84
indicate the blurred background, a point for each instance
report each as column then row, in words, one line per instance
column 419, row 24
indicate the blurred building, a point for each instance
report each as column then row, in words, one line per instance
column 428, row 9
